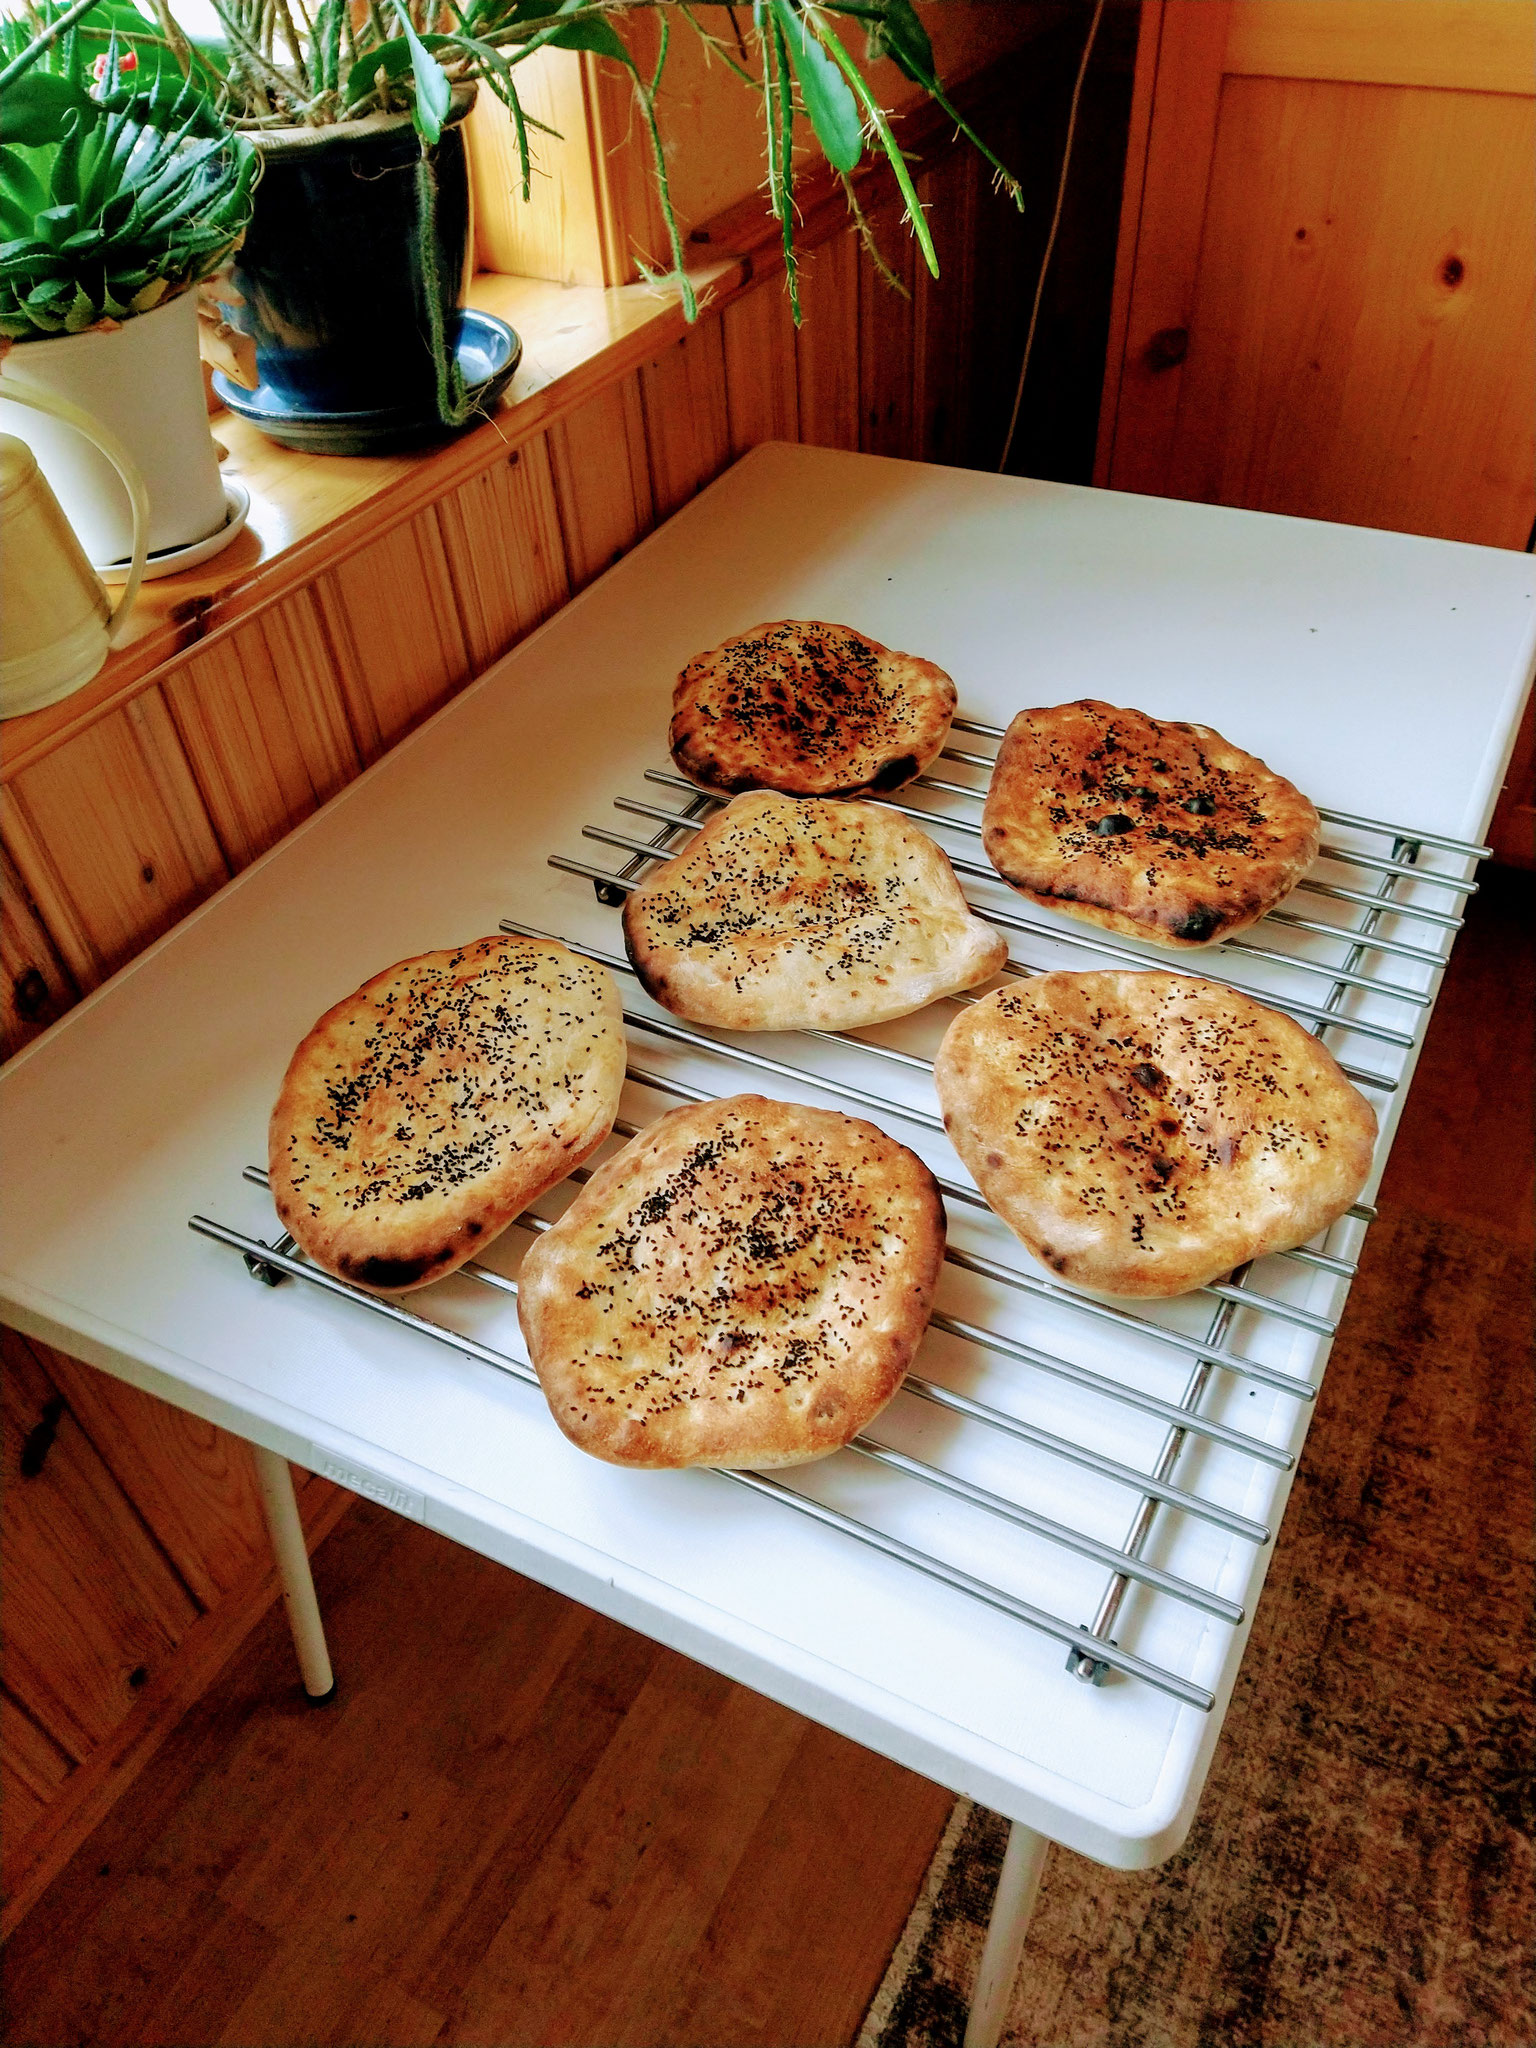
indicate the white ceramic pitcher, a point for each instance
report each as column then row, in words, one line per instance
column 56, row 621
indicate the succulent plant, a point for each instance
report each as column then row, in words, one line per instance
column 119, row 182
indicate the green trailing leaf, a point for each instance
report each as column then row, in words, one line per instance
column 829, row 105
column 892, row 148
column 434, row 94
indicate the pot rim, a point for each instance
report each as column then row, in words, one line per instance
column 303, row 141
column 102, row 328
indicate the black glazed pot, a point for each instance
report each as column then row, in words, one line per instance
column 331, row 285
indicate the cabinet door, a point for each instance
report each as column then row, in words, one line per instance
column 1327, row 270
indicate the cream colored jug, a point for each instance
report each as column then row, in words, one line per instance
column 56, row 621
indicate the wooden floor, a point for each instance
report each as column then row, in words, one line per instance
column 520, row 1824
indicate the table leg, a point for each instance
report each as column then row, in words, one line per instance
column 292, row 1555
column 1017, row 1889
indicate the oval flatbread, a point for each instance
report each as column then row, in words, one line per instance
column 786, row 914
column 1160, row 830
column 1145, row 1133
column 422, row 1114
column 744, row 1284
column 810, row 709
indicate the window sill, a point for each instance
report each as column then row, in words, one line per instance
column 308, row 510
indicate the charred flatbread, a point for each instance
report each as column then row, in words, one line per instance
column 743, row 1285
column 790, row 913
column 422, row 1114
column 810, row 709
column 1145, row 1133
column 1151, row 827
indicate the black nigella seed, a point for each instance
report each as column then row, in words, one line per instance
column 1117, row 821
column 1202, row 806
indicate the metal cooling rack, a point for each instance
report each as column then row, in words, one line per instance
column 1357, row 964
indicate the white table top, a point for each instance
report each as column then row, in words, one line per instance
column 1383, row 672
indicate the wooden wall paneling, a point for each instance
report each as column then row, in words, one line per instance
column 506, row 554
column 944, row 311
column 1149, row 29
column 556, row 232
column 92, row 1607
column 1141, row 388
column 687, row 424
column 112, row 839
column 827, row 346
column 1453, row 45
column 887, row 407
column 32, row 1768
column 1360, row 329
column 393, row 620
column 35, row 985
column 264, row 723
column 762, row 394
column 192, row 1483
column 602, row 479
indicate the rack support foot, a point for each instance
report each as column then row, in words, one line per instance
column 1017, row 1889
column 292, row 1556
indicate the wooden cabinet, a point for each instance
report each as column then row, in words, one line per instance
column 1326, row 286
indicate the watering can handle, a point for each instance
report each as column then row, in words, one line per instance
column 86, row 423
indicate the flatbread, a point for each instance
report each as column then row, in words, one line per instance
column 808, row 708
column 1161, row 830
column 788, row 914
column 1145, row 1133
column 422, row 1114
column 744, row 1285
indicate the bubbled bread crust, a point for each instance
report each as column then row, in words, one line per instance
column 1157, row 829
column 788, row 914
column 808, row 708
column 743, row 1285
column 422, row 1114
column 1145, row 1133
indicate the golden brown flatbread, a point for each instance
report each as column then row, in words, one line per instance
column 810, row 709
column 422, row 1114
column 743, row 1285
column 1145, row 1133
column 1157, row 829
column 788, row 914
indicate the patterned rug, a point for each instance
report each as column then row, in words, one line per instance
column 1360, row 1872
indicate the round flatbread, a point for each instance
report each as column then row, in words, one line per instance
column 788, row 914
column 810, row 709
column 743, row 1285
column 422, row 1114
column 1145, row 1133
column 1157, row 829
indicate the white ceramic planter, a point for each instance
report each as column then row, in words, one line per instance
column 144, row 380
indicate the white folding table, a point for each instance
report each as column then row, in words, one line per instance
column 1033, row 1579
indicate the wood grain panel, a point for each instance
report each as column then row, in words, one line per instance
column 827, row 346
column 1142, row 385
column 1457, row 45
column 32, row 1767
column 35, row 985
column 92, row 1608
column 264, row 723
column 555, row 232
column 193, row 1484
column 886, row 399
column 393, row 620
column 111, row 838
column 501, row 534
column 762, row 395
column 687, row 425
column 944, row 313
column 1360, row 331
column 602, row 479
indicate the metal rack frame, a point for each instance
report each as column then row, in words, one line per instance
column 1326, row 994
